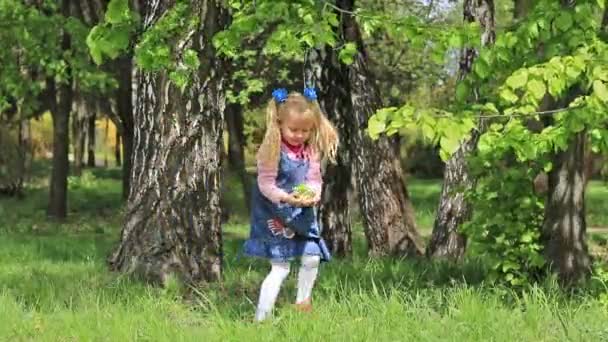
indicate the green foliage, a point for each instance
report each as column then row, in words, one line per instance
column 112, row 37
column 32, row 53
column 600, row 277
column 510, row 237
column 29, row 40
column 510, row 80
column 264, row 37
column 285, row 30
column 437, row 126
column 160, row 47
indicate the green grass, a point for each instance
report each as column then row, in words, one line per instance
column 597, row 204
column 425, row 197
column 54, row 286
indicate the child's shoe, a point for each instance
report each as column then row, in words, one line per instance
column 304, row 306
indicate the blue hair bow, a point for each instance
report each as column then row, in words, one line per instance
column 310, row 93
column 279, row 95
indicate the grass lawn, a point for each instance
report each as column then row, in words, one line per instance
column 54, row 286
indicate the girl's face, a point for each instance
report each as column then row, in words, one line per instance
column 296, row 129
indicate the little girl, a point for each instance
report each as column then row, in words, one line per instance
column 284, row 224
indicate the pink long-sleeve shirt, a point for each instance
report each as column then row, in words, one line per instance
column 267, row 174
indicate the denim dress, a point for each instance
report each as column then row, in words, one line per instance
column 265, row 243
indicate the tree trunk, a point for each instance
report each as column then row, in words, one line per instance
column 386, row 208
column 172, row 223
column 106, row 136
column 564, row 227
column 78, row 132
column 236, row 152
column 61, row 140
column 91, row 139
column 25, row 148
column 58, row 197
column 124, row 104
column 331, row 79
column 453, row 210
column 117, row 156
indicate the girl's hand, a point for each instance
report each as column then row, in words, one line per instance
column 278, row 228
column 299, row 201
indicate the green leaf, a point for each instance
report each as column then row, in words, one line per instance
column 556, row 86
column 428, row 131
column 117, row 12
column 455, row 41
column 191, row 59
column 527, row 237
column 347, row 53
column 490, row 107
column 600, row 73
column 308, row 19
column 481, row 69
column 537, row 89
column 375, row 127
column 449, row 144
column 564, row 21
column 600, row 90
column 508, row 95
column 308, row 39
column 496, row 127
column 509, row 265
column 462, row 91
column 180, row 77
column 533, row 30
column 518, row 79
column 116, row 41
column 93, row 44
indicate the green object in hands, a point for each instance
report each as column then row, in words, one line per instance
column 304, row 190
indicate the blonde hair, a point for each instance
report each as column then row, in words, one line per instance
column 323, row 140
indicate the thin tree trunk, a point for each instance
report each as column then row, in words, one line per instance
column 22, row 142
column 172, row 223
column 57, row 207
column 386, row 208
column 26, row 149
column 78, row 132
column 236, row 152
column 82, row 139
column 61, row 137
column 331, row 78
column 117, row 156
column 124, row 101
column 453, row 210
column 105, row 141
column 91, row 139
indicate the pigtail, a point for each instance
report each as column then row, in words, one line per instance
column 271, row 145
column 326, row 136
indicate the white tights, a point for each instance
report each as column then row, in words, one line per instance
column 278, row 272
